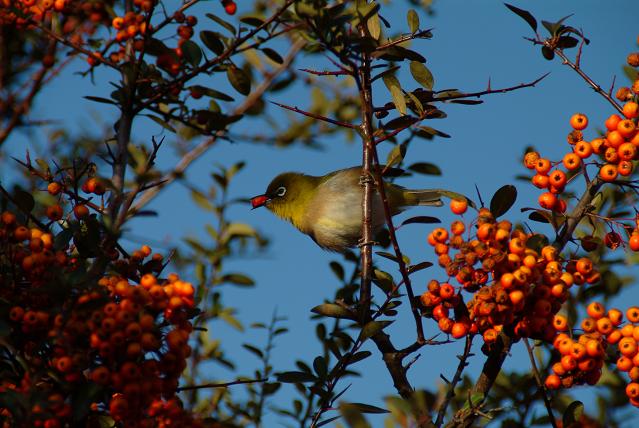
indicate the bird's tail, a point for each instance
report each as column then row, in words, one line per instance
column 424, row 197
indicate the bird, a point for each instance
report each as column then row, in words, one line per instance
column 328, row 208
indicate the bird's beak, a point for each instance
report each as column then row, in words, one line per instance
column 259, row 201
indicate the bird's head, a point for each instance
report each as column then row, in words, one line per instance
column 283, row 191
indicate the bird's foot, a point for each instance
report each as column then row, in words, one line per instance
column 361, row 243
column 366, row 178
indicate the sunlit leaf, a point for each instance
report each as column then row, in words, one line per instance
column 333, row 311
column 422, row 74
column 395, row 89
column 413, row 20
column 239, row 80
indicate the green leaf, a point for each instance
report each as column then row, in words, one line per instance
column 228, row 317
column 237, row 279
column 161, row 122
column 333, row 311
column 320, row 367
column 421, row 219
column 396, row 155
column 386, row 255
column 502, row 200
column 211, row 40
column 239, row 80
column 631, row 73
column 413, row 20
column 213, row 93
column 432, row 131
column 272, row 55
column 374, row 27
column 383, row 280
column 372, row 328
column 525, row 15
column 573, row 414
column 295, row 377
column 422, row 75
column 192, row 53
column 222, row 22
column 201, row 200
column 425, row 168
column 395, row 89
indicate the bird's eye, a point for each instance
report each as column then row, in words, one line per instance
column 281, row 191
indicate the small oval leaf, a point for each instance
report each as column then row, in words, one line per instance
column 502, row 200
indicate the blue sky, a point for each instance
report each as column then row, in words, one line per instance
column 474, row 41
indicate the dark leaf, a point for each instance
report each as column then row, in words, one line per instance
column 359, row 356
column 422, row 219
column 252, row 21
column 295, row 377
column 400, row 122
column 62, row 239
column 272, row 55
column 386, row 255
column 547, row 53
column 100, row 99
column 327, row 421
column 525, row 15
column 433, row 131
column 222, row 22
column 320, row 367
column 24, row 200
column 160, row 122
column 212, row 41
column 253, row 350
column 192, row 53
column 367, row 408
column 372, row 328
column 573, row 413
column 333, row 311
column 419, row 266
column 502, row 200
column 425, row 168
column 540, row 216
column 338, row 270
column 213, row 93
column 239, row 80
column 567, row 42
column 466, row 102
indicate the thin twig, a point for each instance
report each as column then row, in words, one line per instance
column 540, row 384
column 219, row 385
column 316, row 116
column 463, row 363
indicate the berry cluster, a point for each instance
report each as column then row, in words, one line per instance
column 130, row 341
column 581, row 360
column 515, row 286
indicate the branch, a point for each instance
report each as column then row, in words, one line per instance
column 316, row 116
column 219, row 385
column 201, row 148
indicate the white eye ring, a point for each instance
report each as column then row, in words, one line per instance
column 281, row 191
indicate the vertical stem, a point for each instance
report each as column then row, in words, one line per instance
column 366, row 100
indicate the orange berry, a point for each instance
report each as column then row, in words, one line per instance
column 583, row 149
column 626, row 151
column 571, row 161
column 54, row 212
column 81, row 211
column 615, row 139
column 612, row 122
column 560, row 322
column 633, row 314
column 458, row 206
column 631, row 110
column 543, row 166
column 633, row 242
column 616, row 316
column 547, row 200
column 459, row 330
column 568, row 362
column 608, row 172
column 457, row 227
column 595, row 310
column 628, row 346
column 54, row 188
column 557, row 178
column 540, row 181
column 626, row 128
column 632, row 390
column 553, row 382
column 594, row 348
column 604, row 326
column 579, row 121
column 624, row 168
column 624, row 364
column 530, row 159
column 230, row 7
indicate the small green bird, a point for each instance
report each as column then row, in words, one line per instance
column 329, row 208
